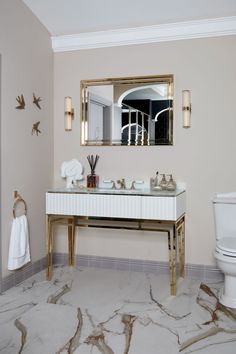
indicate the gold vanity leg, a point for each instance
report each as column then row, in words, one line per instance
column 49, row 242
column 182, row 247
column 71, row 240
column 172, row 260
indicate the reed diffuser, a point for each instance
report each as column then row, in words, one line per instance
column 92, row 178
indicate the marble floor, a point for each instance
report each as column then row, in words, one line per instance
column 100, row 311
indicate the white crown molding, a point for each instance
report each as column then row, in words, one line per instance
column 223, row 26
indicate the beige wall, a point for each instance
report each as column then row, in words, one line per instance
column 26, row 160
column 202, row 156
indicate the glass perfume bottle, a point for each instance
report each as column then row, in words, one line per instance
column 171, row 186
column 163, row 183
column 154, row 183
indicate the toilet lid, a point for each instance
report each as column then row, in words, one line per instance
column 225, row 198
column 227, row 244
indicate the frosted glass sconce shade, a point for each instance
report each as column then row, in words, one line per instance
column 69, row 113
column 186, row 107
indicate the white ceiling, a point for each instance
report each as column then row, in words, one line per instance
column 62, row 17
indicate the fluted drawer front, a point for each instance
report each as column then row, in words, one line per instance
column 120, row 206
column 163, row 208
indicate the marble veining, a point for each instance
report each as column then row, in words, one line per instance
column 100, row 311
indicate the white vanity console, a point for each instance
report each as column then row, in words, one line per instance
column 161, row 211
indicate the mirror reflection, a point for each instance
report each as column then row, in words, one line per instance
column 127, row 111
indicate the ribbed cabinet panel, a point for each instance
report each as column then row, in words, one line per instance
column 163, row 208
column 93, row 205
column 159, row 208
column 117, row 206
column 180, row 205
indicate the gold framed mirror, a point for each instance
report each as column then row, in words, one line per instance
column 127, row 111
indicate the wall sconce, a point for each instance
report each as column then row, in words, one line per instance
column 186, row 107
column 69, row 113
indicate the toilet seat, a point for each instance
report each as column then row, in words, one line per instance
column 227, row 244
column 226, row 247
column 219, row 254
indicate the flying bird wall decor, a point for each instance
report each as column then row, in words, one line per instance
column 36, row 100
column 21, row 105
column 21, row 101
column 35, row 129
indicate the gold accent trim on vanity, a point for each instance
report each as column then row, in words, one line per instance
column 175, row 231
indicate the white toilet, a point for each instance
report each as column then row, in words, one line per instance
column 225, row 252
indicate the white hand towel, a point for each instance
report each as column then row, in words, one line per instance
column 19, row 253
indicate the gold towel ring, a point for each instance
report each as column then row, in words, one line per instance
column 18, row 199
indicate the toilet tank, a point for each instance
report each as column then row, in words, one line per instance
column 224, row 206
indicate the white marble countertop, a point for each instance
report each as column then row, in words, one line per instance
column 142, row 192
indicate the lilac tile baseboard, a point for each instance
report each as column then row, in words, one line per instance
column 195, row 271
column 17, row 276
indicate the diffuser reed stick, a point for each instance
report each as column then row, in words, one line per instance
column 92, row 162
